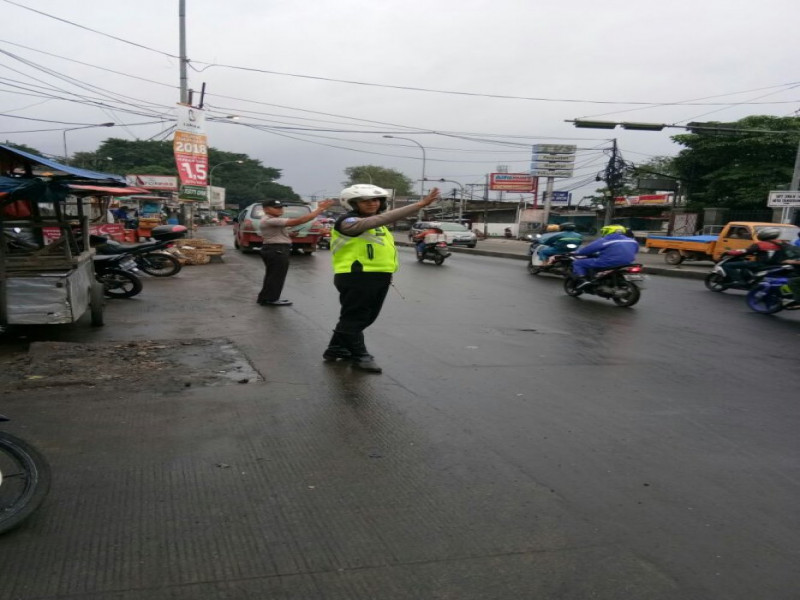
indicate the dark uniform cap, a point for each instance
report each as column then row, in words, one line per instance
column 272, row 204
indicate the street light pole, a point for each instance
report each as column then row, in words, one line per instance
column 422, row 181
column 64, row 132
column 211, row 173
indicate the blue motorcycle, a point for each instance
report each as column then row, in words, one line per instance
column 771, row 295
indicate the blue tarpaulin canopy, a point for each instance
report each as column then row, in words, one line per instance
column 12, row 158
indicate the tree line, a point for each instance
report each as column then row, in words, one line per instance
column 731, row 165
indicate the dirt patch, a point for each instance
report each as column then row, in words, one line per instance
column 150, row 365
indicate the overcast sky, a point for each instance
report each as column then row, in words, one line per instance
column 614, row 60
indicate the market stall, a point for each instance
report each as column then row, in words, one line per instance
column 46, row 278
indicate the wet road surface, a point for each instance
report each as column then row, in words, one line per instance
column 519, row 443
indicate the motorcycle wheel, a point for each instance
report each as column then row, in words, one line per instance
column 716, row 282
column 570, row 287
column 632, row 294
column 159, row 264
column 766, row 302
column 438, row 259
column 534, row 270
column 120, row 284
column 24, row 480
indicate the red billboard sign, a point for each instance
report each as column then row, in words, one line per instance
column 513, row 182
column 190, row 146
column 113, row 230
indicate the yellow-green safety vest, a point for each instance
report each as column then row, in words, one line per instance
column 373, row 248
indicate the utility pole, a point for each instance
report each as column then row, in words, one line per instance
column 183, row 217
column 794, row 186
column 548, row 201
column 613, row 177
column 486, row 208
column 184, row 80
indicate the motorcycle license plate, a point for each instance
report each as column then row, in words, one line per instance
column 634, row 277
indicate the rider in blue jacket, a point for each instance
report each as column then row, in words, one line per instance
column 613, row 249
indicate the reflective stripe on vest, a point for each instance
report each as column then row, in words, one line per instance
column 374, row 249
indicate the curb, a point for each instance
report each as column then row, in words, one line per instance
column 676, row 271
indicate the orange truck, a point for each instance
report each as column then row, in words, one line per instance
column 736, row 235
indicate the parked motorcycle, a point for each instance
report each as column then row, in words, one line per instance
column 117, row 273
column 560, row 264
column 149, row 256
column 24, row 480
column 771, row 294
column 618, row 284
column 719, row 280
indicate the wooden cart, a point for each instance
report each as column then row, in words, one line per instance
column 44, row 283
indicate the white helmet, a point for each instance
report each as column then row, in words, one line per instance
column 349, row 195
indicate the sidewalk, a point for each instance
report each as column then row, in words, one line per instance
column 517, row 249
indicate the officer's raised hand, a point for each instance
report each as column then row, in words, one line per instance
column 432, row 197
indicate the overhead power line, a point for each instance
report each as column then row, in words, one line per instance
column 103, row 33
column 209, row 65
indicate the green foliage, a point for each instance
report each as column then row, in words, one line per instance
column 380, row 176
column 738, row 169
column 244, row 183
column 23, row 147
column 658, row 166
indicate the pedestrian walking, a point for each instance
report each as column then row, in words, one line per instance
column 364, row 258
column 276, row 247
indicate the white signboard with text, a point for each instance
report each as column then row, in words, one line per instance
column 783, row 199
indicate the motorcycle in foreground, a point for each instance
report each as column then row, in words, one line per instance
column 719, row 280
column 117, row 273
column 560, row 264
column 771, row 294
column 148, row 256
column 24, row 480
column 618, row 284
column 434, row 247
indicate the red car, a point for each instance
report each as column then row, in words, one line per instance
column 246, row 234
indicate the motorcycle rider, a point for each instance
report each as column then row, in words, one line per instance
column 557, row 243
column 613, row 249
column 420, row 238
column 768, row 251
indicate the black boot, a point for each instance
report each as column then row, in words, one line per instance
column 360, row 358
column 365, row 362
column 337, row 348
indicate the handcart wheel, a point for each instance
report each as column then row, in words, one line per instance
column 96, row 301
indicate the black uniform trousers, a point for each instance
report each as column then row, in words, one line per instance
column 361, row 296
column 276, row 263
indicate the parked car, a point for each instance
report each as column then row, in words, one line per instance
column 456, row 234
column 247, row 238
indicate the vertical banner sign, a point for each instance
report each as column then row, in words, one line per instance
column 190, row 146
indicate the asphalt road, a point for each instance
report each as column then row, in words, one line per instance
column 519, row 444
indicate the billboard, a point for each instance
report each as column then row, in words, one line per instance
column 646, row 200
column 560, row 198
column 153, row 182
column 513, row 182
column 190, row 146
column 553, row 160
column 783, row 199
